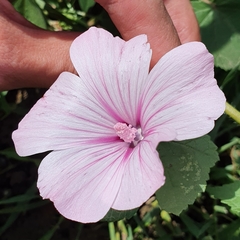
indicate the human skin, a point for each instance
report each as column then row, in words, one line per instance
column 184, row 20
column 167, row 23
column 32, row 57
column 29, row 56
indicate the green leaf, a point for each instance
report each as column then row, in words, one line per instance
column 23, row 207
column 8, row 223
column 31, row 11
column 11, row 154
column 50, row 233
column 196, row 228
column 220, row 30
column 228, row 194
column 19, row 199
column 231, row 231
column 115, row 215
column 186, row 165
column 4, row 106
column 86, row 4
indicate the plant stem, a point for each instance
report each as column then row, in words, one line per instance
column 111, row 229
column 232, row 112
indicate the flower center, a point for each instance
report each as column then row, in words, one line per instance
column 128, row 133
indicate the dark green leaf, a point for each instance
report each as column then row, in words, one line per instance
column 194, row 227
column 231, row 231
column 19, row 198
column 5, row 108
column 86, row 4
column 23, row 207
column 186, row 165
column 50, row 233
column 115, row 215
column 11, row 154
column 9, row 222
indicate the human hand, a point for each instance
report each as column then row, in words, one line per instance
column 30, row 56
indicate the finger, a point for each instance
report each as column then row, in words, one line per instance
column 144, row 17
column 184, row 20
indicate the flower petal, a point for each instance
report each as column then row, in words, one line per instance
column 142, row 177
column 115, row 71
column 66, row 116
column 82, row 182
column 75, row 111
column 182, row 93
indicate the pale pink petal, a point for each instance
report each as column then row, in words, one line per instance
column 142, row 177
column 182, row 94
column 83, row 182
column 115, row 71
column 66, row 116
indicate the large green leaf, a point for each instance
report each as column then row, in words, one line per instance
column 220, row 30
column 228, row 194
column 31, row 11
column 186, row 165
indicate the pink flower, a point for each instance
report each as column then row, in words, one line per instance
column 103, row 127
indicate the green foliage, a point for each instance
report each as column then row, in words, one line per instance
column 194, row 227
column 231, row 231
column 186, row 165
column 86, row 4
column 4, row 106
column 220, row 30
column 31, row 11
column 19, row 199
column 115, row 215
column 228, row 194
column 50, row 233
column 10, row 153
column 22, row 208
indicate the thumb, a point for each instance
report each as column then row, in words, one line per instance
column 144, row 17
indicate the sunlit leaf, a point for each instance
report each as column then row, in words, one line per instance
column 31, row 11
column 228, row 194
